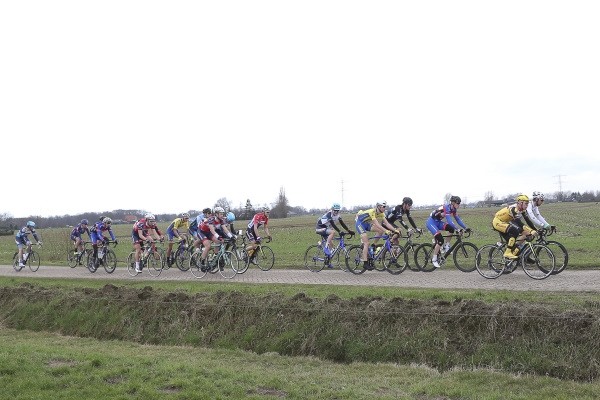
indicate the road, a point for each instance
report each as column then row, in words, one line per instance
column 567, row 281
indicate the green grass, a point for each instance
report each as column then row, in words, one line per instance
column 48, row 366
column 578, row 224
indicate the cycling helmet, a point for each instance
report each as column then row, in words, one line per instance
column 266, row 209
column 381, row 203
column 207, row 211
column 407, row 200
column 537, row 195
column 84, row 222
column 336, row 207
column 455, row 199
column 185, row 215
column 219, row 210
column 150, row 217
column 230, row 217
column 107, row 220
column 522, row 197
column 31, row 224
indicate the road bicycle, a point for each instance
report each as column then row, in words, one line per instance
column 315, row 258
column 106, row 258
column 75, row 258
column 181, row 255
column 150, row 258
column 537, row 260
column 561, row 256
column 262, row 256
column 30, row 258
column 224, row 261
column 463, row 253
column 388, row 257
column 410, row 247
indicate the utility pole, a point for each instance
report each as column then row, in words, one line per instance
column 560, row 191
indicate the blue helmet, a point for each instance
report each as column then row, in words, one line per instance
column 31, row 224
column 230, row 217
column 84, row 222
column 336, row 207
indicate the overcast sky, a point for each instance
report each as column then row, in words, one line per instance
column 169, row 106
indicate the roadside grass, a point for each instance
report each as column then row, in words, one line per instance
column 578, row 230
column 42, row 366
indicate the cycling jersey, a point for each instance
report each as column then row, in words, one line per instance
column 215, row 221
column 178, row 223
column 21, row 236
column 534, row 216
column 258, row 220
column 369, row 215
column 447, row 211
column 392, row 216
column 78, row 231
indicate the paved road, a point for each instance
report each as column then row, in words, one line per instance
column 567, row 281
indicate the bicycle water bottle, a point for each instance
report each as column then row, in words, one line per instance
column 371, row 251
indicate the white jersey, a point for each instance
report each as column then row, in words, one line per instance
column 534, row 215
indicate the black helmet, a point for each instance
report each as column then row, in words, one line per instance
column 455, row 199
column 407, row 200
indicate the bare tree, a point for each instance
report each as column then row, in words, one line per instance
column 281, row 206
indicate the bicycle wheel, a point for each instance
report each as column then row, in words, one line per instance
column 561, row 257
column 154, row 263
column 314, row 258
column 33, row 261
column 409, row 257
column 243, row 263
column 489, row 261
column 394, row 260
column 110, row 261
column 163, row 257
column 16, row 262
column 72, row 258
column 131, row 264
column 339, row 258
column 90, row 262
column 195, row 266
column 378, row 259
column 182, row 257
column 539, row 263
column 226, row 265
column 423, row 254
column 464, row 256
column 354, row 263
column 265, row 258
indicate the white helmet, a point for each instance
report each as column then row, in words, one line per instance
column 150, row 217
column 381, row 203
column 537, row 195
column 107, row 220
column 219, row 210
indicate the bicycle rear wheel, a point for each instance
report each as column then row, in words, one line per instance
column 226, row 265
column 196, row 266
column 409, row 257
column 265, row 258
column 72, row 258
column 394, row 260
column 354, row 263
column 423, row 254
column 314, row 258
column 539, row 263
column 561, row 257
column 16, row 262
column 464, row 256
column 489, row 261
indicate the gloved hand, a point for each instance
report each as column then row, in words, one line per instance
column 553, row 228
column 420, row 230
column 351, row 232
column 269, row 237
column 40, row 243
column 410, row 230
column 116, row 241
column 258, row 238
column 396, row 231
column 468, row 230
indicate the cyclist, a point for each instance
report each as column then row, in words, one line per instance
column 369, row 220
column 533, row 213
column 508, row 222
column 144, row 229
column 209, row 232
column 259, row 219
column 193, row 230
column 229, row 219
column 97, row 234
column 76, row 234
column 22, row 239
column 436, row 224
column 396, row 213
column 173, row 233
column 326, row 228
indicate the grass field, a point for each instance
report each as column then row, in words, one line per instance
column 578, row 229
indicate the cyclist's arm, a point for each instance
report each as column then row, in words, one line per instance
column 333, row 225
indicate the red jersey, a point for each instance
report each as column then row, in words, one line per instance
column 214, row 221
column 142, row 225
column 258, row 220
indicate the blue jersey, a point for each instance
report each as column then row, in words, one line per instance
column 79, row 230
column 447, row 211
column 24, row 231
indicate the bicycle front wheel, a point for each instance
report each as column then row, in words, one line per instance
column 409, row 257
column 196, row 266
column 423, row 254
column 464, row 256
column 154, row 263
column 182, row 259
column 561, row 257
column 489, row 261
column 314, row 258
column 265, row 258
column 33, row 261
column 354, row 263
column 131, row 264
column 110, row 261
column 226, row 261
column 539, row 263
column 394, row 260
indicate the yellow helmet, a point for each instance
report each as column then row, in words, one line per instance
column 522, row 197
